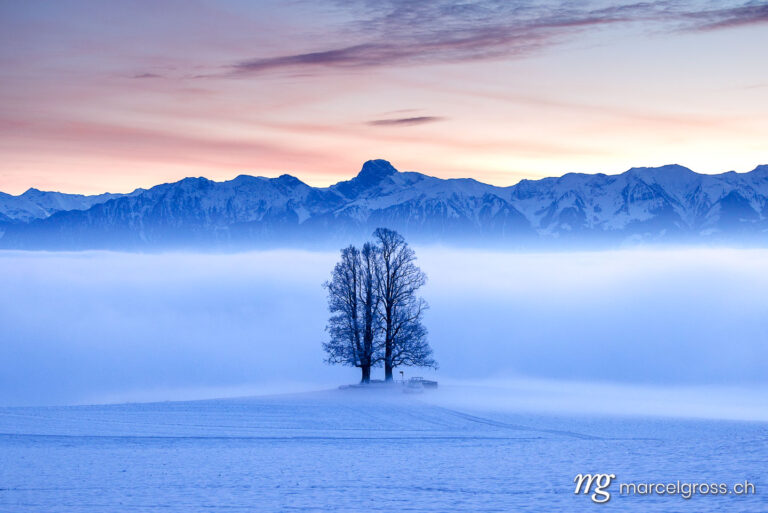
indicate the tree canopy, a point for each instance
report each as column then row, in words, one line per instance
column 376, row 314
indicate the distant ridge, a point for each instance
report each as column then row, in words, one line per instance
column 668, row 204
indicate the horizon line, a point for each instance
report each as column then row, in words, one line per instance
column 145, row 188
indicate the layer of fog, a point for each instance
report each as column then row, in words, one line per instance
column 591, row 398
column 99, row 327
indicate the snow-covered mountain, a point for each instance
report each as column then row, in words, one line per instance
column 36, row 204
column 664, row 204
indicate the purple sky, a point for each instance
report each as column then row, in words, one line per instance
column 109, row 96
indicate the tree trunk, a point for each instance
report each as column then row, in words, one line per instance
column 366, row 374
column 388, row 345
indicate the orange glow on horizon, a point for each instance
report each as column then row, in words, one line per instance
column 89, row 110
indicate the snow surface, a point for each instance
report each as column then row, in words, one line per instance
column 353, row 451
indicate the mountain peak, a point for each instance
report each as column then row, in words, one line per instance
column 372, row 173
column 666, row 169
column 194, row 179
column 289, row 180
column 240, row 179
column 374, row 170
column 671, row 175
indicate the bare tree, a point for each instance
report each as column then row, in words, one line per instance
column 368, row 298
column 409, row 336
column 398, row 279
column 353, row 303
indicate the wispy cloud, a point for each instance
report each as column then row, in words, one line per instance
column 147, row 75
column 418, row 120
column 351, row 56
column 408, row 35
column 405, row 33
column 750, row 14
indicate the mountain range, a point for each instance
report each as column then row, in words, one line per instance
column 668, row 204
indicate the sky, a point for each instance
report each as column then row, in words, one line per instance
column 89, row 327
column 110, row 96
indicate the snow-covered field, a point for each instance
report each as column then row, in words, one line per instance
column 648, row 364
column 358, row 451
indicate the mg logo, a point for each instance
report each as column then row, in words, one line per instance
column 601, row 482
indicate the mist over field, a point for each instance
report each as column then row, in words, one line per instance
column 100, row 326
